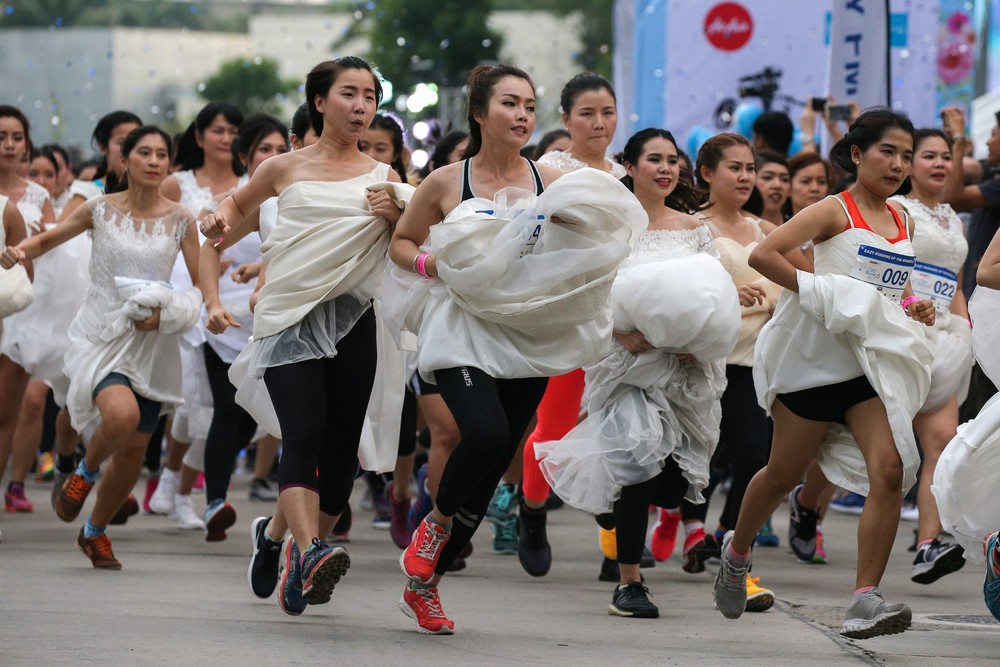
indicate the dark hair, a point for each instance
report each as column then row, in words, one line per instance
column 322, row 77
column 755, row 204
column 919, row 137
column 444, row 147
column 393, row 127
column 8, row 111
column 133, row 138
column 46, row 153
column 776, row 129
column 56, row 148
column 683, row 197
column 581, row 83
column 547, row 140
column 482, row 79
column 189, row 153
column 253, row 131
column 710, row 153
column 765, row 156
column 105, row 127
column 870, row 126
column 302, row 123
column 801, row 161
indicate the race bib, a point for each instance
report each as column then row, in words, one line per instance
column 885, row 270
column 936, row 283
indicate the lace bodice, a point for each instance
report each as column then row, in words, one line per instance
column 938, row 234
column 195, row 197
column 655, row 245
column 30, row 206
column 565, row 162
column 129, row 247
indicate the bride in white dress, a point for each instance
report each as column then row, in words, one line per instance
column 123, row 362
column 653, row 400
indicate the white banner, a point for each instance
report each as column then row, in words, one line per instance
column 858, row 55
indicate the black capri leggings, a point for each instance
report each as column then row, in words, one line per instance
column 231, row 430
column 492, row 416
column 321, row 406
column 632, row 510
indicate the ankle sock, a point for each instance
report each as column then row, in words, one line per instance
column 922, row 543
column 418, row 586
column 90, row 531
column 693, row 527
column 14, row 487
column 89, row 477
column 736, row 558
column 861, row 591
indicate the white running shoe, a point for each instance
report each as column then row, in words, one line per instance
column 162, row 500
column 184, row 514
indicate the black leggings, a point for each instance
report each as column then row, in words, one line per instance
column 744, row 445
column 632, row 510
column 231, row 430
column 492, row 416
column 321, row 406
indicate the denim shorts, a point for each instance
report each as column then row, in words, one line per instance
column 149, row 411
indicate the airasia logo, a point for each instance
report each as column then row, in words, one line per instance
column 728, row 26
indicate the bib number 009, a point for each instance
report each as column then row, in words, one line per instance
column 895, row 277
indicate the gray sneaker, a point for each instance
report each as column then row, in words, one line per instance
column 57, row 483
column 870, row 616
column 730, row 590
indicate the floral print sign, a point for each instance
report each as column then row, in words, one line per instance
column 956, row 54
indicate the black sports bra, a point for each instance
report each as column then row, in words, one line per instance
column 467, row 192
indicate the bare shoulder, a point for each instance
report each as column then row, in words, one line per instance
column 171, row 188
column 442, row 181
column 548, row 172
column 688, row 221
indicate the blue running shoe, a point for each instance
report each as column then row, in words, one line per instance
column 505, row 536
column 502, row 504
column 766, row 537
column 991, row 586
column 851, row 503
column 422, row 504
column 290, row 597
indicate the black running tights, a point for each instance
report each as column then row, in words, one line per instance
column 632, row 510
column 492, row 416
column 231, row 430
column 321, row 406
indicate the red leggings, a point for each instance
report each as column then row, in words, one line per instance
column 558, row 413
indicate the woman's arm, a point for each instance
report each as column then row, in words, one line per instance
column 15, row 231
column 209, row 263
column 381, row 203
column 822, row 220
column 962, row 197
column 39, row 244
column 988, row 274
column 238, row 206
column 959, row 304
column 414, row 225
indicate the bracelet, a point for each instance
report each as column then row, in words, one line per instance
column 415, row 258
column 422, row 264
column 908, row 300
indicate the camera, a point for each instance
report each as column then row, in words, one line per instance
column 763, row 84
column 818, row 104
column 840, row 112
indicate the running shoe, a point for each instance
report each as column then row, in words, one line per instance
column 185, row 515
column 758, row 598
column 502, row 504
column 46, row 468
column 423, row 605
column 322, row 568
column 991, row 584
column 219, row 516
column 72, row 495
column 631, row 600
column 57, row 485
column 730, row 591
column 533, row 549
column 870, row 616
column 766, row 537
column 128, row 509
column 819, row 558
column 199, row 483
column 849, row 503
column 699, row 548
column 609, row 570
column 14, row 499
column 608, row 539
column 399, row 528
column 554, row 502
column 290, row 580
column 664, row 536
column 378, row 491
column 341, row 532
column 262, row 574
column 505, row 535
column 801, row 527
column 646, row 561
column 162, row 501
column 152, row 482
column 261, row 490
column 934, row 560
column 421, row 556
column 909, row 512
column 98, row 550
column 422, row 504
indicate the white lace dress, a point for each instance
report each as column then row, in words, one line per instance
column 940, row 248
column 566, row 163
column 102, row 339
column 643, row 408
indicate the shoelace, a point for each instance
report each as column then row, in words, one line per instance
column 78, row 489
column 431, row 542
column 734, row 576
column 508, row 530
column 102, row 546
column 431, row 603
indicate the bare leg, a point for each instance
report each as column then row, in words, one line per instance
column 267, row 452
column 444, row 437
column 66, row 437
column 13, row 381
column 880, row 517
column 401, row 476
column 28, row 432
column 794, row 446
column 816, row 488
column 935, row 430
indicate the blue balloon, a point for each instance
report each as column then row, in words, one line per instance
column 696, row 136
column 743, row 118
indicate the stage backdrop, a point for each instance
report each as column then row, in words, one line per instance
column 682, row 64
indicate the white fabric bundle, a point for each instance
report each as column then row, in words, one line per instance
column 950, row 340
column 179, row 311
column 890, row 348
column 984, row 311
column 520, row 296
column 647, row 407
column 16, row 292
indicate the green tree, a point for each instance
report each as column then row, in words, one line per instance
column 596, row 32
column 252, row 85
column 127, row 13
column 414, row 41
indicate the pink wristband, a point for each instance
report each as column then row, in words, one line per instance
column 422, row 265
column 908, row 300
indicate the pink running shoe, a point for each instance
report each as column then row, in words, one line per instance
column 14, row 499
column 664, row 537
